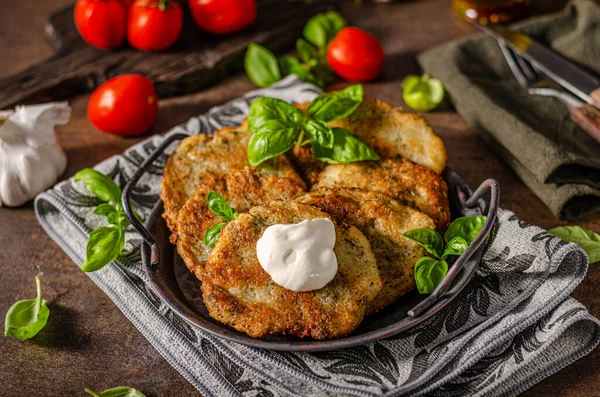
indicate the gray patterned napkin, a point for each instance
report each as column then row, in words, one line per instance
column 513, row 325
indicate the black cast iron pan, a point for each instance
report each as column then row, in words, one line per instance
column 162, row 264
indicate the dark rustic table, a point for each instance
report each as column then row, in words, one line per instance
column 88, row 342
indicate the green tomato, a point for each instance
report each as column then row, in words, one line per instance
column 422, row 93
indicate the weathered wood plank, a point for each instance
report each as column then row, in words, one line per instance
column 197, row 60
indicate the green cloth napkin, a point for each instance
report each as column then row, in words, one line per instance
column 532, row 134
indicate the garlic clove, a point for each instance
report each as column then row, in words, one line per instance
column 31, row 159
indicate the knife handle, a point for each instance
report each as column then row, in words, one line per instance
column 588, row 117
column 595, row 95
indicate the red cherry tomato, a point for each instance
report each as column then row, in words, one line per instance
column 154, row 26
column 223, row 16
column 101, row 23
column 355, row 55
column 124, row 105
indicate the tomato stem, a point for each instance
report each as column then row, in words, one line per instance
column 163, row 4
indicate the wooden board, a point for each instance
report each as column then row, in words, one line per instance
column 197, row 60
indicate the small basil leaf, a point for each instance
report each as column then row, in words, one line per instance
column 290, row 65
column 261, row 65
column 27, row 317
column 323, row 72
column 100, row 185
column 347, row 148
column 422, row 93
column 320, row 132
column 220, row 206
column 337, row 23
column 306, row 51
column 336, row 105
column 120, row 391
column 467, row 227
column 429, row 273
column 108, row 211
column 456, row 246
column 271, row 140
column 122, row 220
column 588, row 240
column 212, row 234
column 265, row 109
column 322, row 28
column 428, row 239
column 104, row 246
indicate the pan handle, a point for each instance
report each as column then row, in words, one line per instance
column 459, row 264
column 125, row 201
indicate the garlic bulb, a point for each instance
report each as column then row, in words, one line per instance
column 31, row 159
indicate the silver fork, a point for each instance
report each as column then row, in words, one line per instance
column 535, row 83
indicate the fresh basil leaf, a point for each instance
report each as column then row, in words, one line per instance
column 261, row 65
column 467, row 227
column 220, row 206
column 422, row 93
column 347, row 148
column 265, row 109
column 27, row 317
column 306, row 51
column 123, row 221
column 108, row 211
column 336, row 105
column 456, row 246
column 100, row 185
column 104, row 246
column 271, row 140
column 120, row 391
column 290, row 65
column 429, row 273
column 212, row 234
column 320, row 132
column 587, row 239
column 428, row 239
column 322, row 28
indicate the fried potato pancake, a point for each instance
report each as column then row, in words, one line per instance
column 202, row 157
column 382, row 220
column 388, row 130
column 238, row 292
column 392, row 133
column 400, row 179
column 243, row 190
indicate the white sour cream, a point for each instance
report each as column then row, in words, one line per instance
column 299, row 257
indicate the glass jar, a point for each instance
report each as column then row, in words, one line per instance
column 491, row 11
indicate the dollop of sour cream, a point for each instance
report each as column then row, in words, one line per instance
column 300, row 256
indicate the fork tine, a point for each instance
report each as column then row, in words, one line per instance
column 515, row 68
column 526, row 67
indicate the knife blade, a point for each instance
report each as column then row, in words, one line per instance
column 570, row 76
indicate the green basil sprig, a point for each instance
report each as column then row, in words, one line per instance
column 120, row 391
column 422, row 92
column 106, row 242
column 430, row 272
column 223, row 210
column 277, row 126
column 322, row 28
column 588, row 240
column 27, row 317
column 263, row 69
